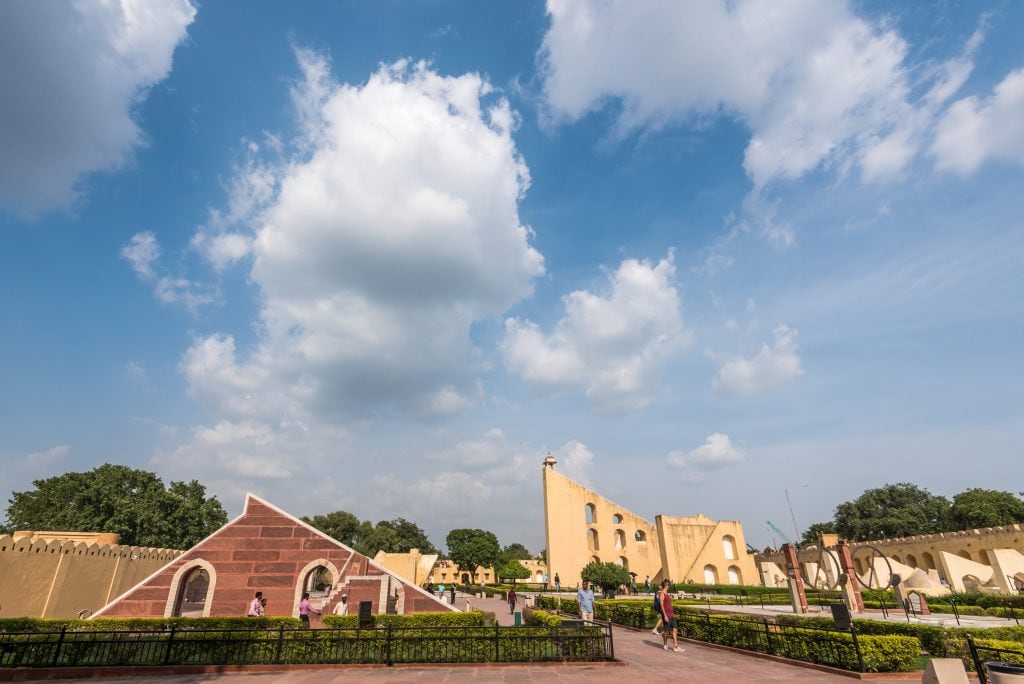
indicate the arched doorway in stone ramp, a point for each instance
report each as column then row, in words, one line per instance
column 191, row 592
column 322, row 580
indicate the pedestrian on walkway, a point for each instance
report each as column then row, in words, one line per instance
column 585, row 598
column 671, row 625
column 512, row 601
column 657, row 612
column 305, row 608
column 558, row 583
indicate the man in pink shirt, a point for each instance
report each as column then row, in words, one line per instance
column 305, row 608
column 256, row 606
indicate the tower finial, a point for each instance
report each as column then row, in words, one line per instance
column 550, row 461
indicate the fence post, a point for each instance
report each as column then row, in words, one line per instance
column 956, row 613
column 60, row 640
column 497, row 642
column 768, row 637
column 280, row 643
column 387, row 647
column 978, row 667
column 856, row 648
column 170, row 642
column 611, row 640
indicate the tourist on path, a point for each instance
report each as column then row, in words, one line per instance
column 657, row 612
column 585, row 597
column 256, row 607
column 305, row 608
column 342, row 607
column 558, row 583
column 670, row 618
column 511, row 601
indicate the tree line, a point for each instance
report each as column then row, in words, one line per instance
column 904, row 509
column 137, row 506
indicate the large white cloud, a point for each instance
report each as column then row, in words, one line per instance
column 394, row 232
column 609, row 344
column 817, row 85
column 716, row 452
column 774, row 365
column 974, row 130
column 72, row 72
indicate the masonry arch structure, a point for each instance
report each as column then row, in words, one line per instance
column 309, row 580
column 184, row 596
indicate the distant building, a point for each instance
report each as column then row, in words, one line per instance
column 582, row 526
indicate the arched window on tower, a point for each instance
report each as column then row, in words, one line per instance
column 729, row 547
column 593, row 543
column 590, row 514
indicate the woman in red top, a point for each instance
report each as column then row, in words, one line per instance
column 670, row 618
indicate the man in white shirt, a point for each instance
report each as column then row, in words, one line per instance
column 342, row 607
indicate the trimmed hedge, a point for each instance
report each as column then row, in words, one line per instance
column 9, row 625
column 413, row 620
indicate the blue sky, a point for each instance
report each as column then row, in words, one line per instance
column 383, row 257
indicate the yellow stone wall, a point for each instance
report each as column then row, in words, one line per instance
column 59, row 575
column 569, row 535
column 699, row 549
column 413, row 566
column 678, row 548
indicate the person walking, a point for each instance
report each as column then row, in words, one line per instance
column 657, row 612
column 452, row 590
column 585, row 598
column 558, row 583
column 305, row 608
column 671, row 625
column 647, row 584
column 256, row 606
column 512, row 601
column 342, row 607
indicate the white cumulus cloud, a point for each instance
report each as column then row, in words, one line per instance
column 609, row 344
column 818, row 86
column 73, row 72
column 774, row 365
column 974, row 130
column 716, row 451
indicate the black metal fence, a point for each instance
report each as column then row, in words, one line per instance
column 385, row 645
column 984, row 654
column 824, row 646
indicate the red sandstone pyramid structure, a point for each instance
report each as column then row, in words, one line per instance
column 266, row 549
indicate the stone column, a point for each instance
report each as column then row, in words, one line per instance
column 796, row 582
column 851, row 590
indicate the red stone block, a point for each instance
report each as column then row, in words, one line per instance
column 267, row 555
column 271, row 581
column 276, row 532
column 259, row 568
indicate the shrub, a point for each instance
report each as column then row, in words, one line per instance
column 471, row 619
column 145, row 624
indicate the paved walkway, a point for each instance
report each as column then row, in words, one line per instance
column 641, row 652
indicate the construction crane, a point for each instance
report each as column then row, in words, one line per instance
column 779, row 532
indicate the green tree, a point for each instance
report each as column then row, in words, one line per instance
column 340, row 525
column 393, row 536
column 115, row 498
column 608, row 576
column 472, row 549
column 513, row 570
column 984, row 508
column 893, row 510
column 811, row 533
column 513, row 552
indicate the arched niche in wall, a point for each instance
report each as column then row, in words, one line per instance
column 710, row 574
column 191, row 592
column 593, row 542
column 620, row 540
column 734, row 574
column 729, row 547
column 590, row 514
